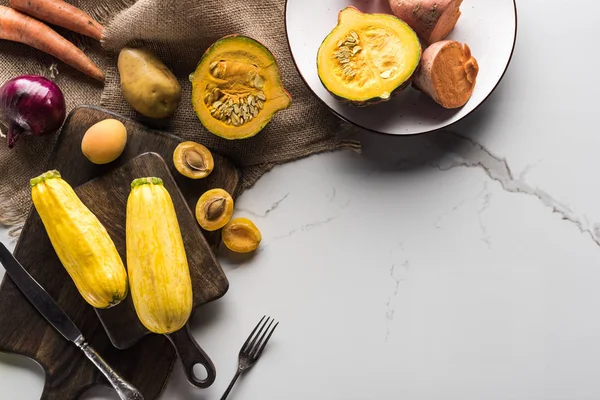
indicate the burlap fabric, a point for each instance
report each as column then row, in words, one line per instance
column 179, row 31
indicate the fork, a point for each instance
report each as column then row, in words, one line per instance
column 252, row 349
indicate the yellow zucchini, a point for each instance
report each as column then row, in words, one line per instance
column 80, row 240
column 159, row 275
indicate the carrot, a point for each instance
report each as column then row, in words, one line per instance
column 433, row 20
column 60, row 13
column 447, row 73
column 18, row 27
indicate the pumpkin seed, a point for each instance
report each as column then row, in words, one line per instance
column 341, row 43
column 356, row 50
column 259, row 82
column 213, row 65
column 250, row 99
column 354, row 35
column 261, row 96
column 350, row 39
column 259, row 104
column 236, row 109
column 386, row 74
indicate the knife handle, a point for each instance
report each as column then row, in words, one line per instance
column 125, row 390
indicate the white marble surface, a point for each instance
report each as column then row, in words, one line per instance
column 474, row 275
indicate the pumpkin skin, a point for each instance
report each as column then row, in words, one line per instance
column 237, row 71
column 367, row 58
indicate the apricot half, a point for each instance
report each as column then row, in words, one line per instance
column 241, row 235
column 214, row 209
column 193, row 160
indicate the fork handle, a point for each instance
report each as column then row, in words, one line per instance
column 235, row 378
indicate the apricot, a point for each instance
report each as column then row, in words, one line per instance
column 104, row 141
column 241, row 235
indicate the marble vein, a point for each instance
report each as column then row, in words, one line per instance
column 271, row 208
column 333, row 194
column 474, row 155
column 390, row 310
column 486, row 196
column 306, row 227
column 438, row 223
column 313, row 225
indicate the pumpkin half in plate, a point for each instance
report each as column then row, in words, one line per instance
column 367, row 57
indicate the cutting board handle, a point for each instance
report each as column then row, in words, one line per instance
column 190, row 354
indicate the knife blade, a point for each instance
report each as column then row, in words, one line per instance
column 51, row 311
column 38, row 296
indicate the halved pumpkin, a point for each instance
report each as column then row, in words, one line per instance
column 367, row 57
column 236, row 88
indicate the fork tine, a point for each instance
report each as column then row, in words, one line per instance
column 260, row 338
column 263, row 344
column 252, row 334
column 251, row 347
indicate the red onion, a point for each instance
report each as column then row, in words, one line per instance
column 31, row 105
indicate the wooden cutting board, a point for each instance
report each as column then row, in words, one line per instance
column 149, row 362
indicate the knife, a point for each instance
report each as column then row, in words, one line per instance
column 46, row 305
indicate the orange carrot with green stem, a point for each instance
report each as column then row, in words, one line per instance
column 60, row 13
column 18, row 27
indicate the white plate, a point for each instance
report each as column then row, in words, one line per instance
column 489, row 27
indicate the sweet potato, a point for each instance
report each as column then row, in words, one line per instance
column 58, row 12
column 18, row 27
column 432, row 20
column 447, row 73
